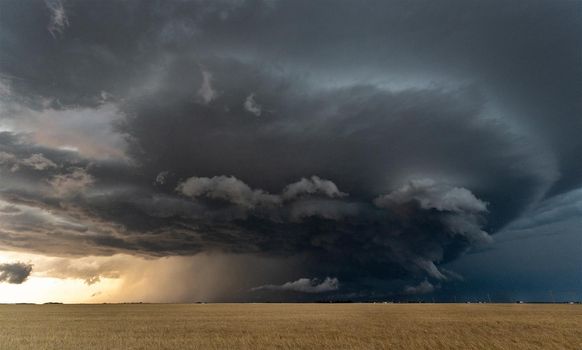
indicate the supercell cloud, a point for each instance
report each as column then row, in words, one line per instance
column 372, row 142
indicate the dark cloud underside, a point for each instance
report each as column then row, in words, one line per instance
column 376, row 140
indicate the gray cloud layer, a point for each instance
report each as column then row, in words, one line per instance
column 377, row 141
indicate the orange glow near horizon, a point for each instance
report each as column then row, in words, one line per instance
column 39, row 288
column 47, row 289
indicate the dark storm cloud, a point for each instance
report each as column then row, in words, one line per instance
column 377, row 140
column 537, row 257
column 303, row 285
column 15, row 273
column 424, row 287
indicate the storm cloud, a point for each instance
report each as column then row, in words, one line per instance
column 304, row 285
column 373, row 142
column 423, row 287
column 15, row 273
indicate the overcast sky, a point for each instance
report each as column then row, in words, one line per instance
column 291, row 150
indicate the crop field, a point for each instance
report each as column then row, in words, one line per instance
column 291, row 326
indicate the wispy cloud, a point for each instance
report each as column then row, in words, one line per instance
column 252, row 106
column 36, row 161
column 59, row 20
column 206, row 91
column 71, row 183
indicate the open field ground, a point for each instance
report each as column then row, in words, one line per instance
column 291, row 326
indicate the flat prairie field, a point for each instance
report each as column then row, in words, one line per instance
column 291, row 326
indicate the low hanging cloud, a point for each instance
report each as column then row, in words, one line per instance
column 15, row 273
column 431, row 195
column 227, row 188
column 374, row 233
column 311, row 216
column 465, row 211
column 424, row 287
column 304, row 285
column 313, row 185
column 235, row 191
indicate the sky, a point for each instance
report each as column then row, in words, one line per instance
column 272, row 150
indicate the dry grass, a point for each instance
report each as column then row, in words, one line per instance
column 291, row 326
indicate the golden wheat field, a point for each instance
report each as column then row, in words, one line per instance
column 291, row 326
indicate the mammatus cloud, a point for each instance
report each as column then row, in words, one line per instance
column 58, row 17
column 304, row 285
column 15, row 273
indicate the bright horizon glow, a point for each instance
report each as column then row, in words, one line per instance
column 43, row 289
column 40, row 290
